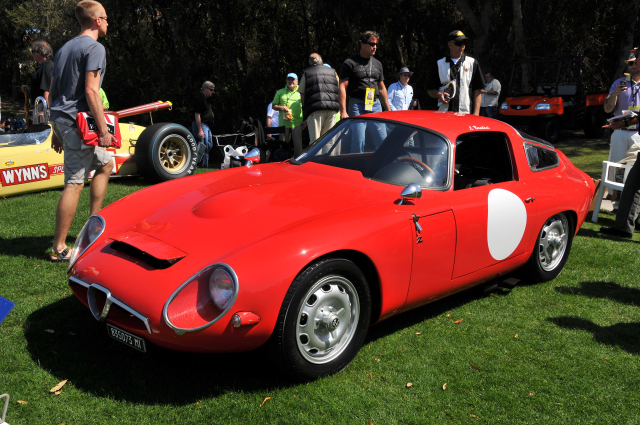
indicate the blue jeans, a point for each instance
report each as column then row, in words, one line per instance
column 207, row 143
column 378, row 133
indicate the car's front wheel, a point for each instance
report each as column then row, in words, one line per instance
column 551, row 250
column 323, row 320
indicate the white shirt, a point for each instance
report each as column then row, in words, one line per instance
column 491, row 99
column 399, row 96
column 274, row 115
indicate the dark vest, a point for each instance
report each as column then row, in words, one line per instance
column 321, row 90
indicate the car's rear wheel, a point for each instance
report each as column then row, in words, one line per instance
column 165, row 151
column 551, row 250
column 323, row 320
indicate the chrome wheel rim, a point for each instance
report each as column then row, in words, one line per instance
column 327, row 319
column 552, row 242
column 174, row 154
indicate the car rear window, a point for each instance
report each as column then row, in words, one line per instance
column 541, row 158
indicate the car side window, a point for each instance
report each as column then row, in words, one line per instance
column 540, row 158
column 482, row 158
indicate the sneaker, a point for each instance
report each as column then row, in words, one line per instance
column 616, row 232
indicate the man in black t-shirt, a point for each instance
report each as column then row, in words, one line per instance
column 362, row 78
column 203, row 123
column 41, row 81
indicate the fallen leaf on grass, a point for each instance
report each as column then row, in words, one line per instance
column 21, row 402
column 418, row 333
column 39, row 299
column 369, row 346
column 475, row 367
column 265, row 400
column 371, row 376
column 409, row 385
column 58, row 387
column 458, row 321
column 377, row 360
column 36, row 265
column 444, row 387
column 515, row 336
column 448, row 315
column 370, row 423
column 58, row 392
column 530, row 393
column 473, row 416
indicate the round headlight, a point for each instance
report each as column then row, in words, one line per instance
column 222, row 288
column 91, row 231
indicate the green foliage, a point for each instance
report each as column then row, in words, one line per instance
column 164, row 50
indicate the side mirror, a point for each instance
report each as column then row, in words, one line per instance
column 253, row 157
column 413, row 191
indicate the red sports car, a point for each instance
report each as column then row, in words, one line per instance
column 384, row 213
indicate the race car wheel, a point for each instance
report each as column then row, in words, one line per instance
column 552, row 249
column 549, row 130
column 323, row 320
column 165, row 151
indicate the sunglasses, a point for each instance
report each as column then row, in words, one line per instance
column 460, row 43
column 371, row 43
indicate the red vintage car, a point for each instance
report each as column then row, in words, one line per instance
column 384, row 213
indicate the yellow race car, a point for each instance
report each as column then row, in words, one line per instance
column 160, row 152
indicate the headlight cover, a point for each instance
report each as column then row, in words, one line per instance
column 504, row 105
column 202, row 300
column 93, row 228
column 543, row 106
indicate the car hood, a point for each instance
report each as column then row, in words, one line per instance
column 237, row 207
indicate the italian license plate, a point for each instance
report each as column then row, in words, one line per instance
column 127, row 338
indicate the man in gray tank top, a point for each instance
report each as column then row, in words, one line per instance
column 77, row 76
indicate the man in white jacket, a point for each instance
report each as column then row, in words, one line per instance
column 461, row 71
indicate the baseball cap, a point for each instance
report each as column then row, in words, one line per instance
column 456, row 35
column 633, row 56
column 292, row 75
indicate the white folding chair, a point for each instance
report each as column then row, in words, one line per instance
column 608, row 170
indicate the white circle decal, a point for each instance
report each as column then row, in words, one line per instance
column 507, row 219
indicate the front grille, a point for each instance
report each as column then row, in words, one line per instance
column 520, row 107
column 102, row 305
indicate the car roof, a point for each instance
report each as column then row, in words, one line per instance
column 450, row 124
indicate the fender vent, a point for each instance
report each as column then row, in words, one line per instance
column 143, row 256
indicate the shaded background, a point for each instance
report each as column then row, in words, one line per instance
column 164, row 50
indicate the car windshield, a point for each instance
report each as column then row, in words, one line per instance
column 25, row 138
column 385, row 151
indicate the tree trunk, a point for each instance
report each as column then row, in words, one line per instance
column 518, row 43
column 479, row 25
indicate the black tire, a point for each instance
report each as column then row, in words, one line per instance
column 549, row 130
column 593, row 122
column 165, row 151
column 315, row 335
column 552, row 249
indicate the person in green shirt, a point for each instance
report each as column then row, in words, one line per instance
column 105, row 101
column 287, row 101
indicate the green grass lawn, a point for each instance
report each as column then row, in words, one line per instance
column 563, row 352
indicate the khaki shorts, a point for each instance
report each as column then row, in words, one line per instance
column 79, row 160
